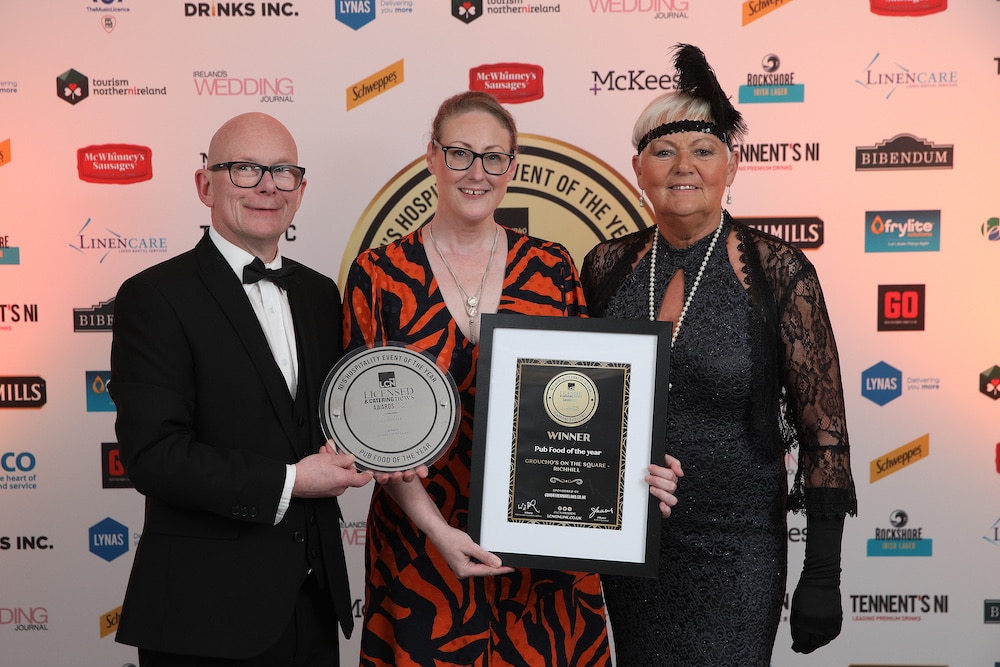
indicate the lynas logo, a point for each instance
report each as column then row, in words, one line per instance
column 108, row 539
column 467, row 11
column 72, row 86
column 881, row 383
column 355, row 14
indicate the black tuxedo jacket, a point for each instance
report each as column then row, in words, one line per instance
column 206, row 425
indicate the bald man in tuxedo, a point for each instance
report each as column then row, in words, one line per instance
column 217, row 362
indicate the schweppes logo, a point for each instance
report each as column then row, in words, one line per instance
column 558, row 193
column 900, row 458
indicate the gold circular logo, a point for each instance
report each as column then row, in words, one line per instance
column 558, row 193
column 571, row 398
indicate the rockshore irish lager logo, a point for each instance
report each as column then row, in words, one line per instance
column 508, row 82
column 558, row 193
column 114, row 163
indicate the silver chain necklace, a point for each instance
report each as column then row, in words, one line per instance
column 694, row 287
column 471, row 302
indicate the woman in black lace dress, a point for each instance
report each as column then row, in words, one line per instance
column 754, row 372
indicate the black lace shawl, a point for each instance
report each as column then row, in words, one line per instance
column 795, row 360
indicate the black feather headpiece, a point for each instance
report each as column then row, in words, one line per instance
column 697, row 79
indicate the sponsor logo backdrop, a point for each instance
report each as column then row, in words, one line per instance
column 872, row 145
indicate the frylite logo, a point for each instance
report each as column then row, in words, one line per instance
column 903, row 231
column 98, row 397
column 881, row 383
column 355, row 14
column 989, row 382
column 467, row 11
column 72, row 86
column 108, row 539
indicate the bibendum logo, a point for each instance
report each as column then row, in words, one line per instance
column 558, row 192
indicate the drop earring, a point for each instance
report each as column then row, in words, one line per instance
column 642, row 199
column 729, row 196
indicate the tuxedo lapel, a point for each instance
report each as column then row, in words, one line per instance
column 229, row 294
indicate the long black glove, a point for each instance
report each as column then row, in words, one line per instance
column 817, row 614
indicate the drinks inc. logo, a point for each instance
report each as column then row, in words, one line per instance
column 72, row 86
column 901, row 307
column 902, row 231
column 771, row 85
column 904, row 151
column 240, row 9
column 900, row 539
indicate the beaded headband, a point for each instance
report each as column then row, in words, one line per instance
column 683, row 126
column 697, row 80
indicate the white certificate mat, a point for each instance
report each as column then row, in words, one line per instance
column 570, row 412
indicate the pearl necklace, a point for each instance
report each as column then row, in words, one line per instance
column 694, row 287
column 471, row 302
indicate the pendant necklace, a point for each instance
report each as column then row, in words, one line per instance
column 694, row 287
column 471, row 302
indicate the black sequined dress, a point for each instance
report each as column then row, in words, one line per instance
column 718, row 597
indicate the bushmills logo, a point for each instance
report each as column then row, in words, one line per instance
column 24, row 391
column 803, row 233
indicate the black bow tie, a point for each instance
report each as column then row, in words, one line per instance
column 256, row 270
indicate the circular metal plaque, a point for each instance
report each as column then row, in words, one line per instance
column 390, row 406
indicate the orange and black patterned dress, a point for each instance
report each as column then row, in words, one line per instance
column 417, row 612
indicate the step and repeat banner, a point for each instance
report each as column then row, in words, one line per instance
column 873, row 144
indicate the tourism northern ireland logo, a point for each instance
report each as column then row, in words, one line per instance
column 771, row 85
column 989, row 382
column 72, row 86
column 902, row 231
column 467, row 11
column 556, row 192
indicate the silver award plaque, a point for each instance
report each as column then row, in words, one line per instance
column 391, row 406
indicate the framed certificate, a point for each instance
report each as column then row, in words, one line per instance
column 569, row 414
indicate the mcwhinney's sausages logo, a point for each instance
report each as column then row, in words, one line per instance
column 558, row 193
